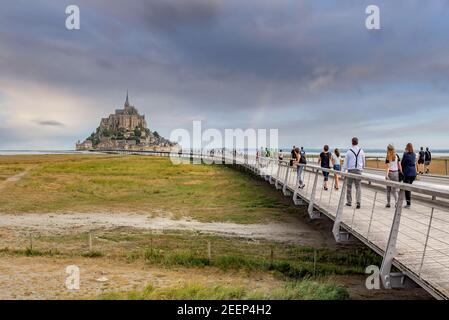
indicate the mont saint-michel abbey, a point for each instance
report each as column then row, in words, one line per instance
column 125, row 129
column 128, row 118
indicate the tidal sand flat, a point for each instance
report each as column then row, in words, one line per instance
column 142, row 228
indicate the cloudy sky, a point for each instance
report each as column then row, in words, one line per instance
column 308, row 68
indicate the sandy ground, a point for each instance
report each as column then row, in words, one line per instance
column 295, row 231
column 44, row 277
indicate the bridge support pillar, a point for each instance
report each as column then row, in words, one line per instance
column 271, row 177
column 277, row 184
column 285, row 190
column 311, row 210
column 298, row 201
column 397, row 279
column 339, row 234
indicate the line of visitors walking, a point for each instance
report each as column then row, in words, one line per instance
column 396, row 169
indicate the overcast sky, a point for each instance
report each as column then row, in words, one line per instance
column 308, row 68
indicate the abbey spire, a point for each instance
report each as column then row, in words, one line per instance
column 127, row 99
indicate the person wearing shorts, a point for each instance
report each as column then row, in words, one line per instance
column 427, row 160
column 336, row 162
column 325, row 162
column 421, row 157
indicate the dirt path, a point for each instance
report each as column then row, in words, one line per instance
column 295, row 231
column 15, row 178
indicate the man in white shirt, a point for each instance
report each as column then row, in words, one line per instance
column 354, row 163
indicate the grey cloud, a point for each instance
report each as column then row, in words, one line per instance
column 170, row 15
column 229, row 60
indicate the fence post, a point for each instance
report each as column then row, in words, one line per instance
column 31, row 242
column 336, row 230
column 277, row 176
column 312, row 214
column 271, row 174
column 392, row 280
column 209, row 253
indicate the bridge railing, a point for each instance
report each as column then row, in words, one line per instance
column 414, row 240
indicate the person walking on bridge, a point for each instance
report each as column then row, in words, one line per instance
column 336, row 162
column 427, row 160
column 293, row 156
column 393, row 168
column 409, row 169
column 325, row 162
column 280, row 155
column 300, row 161
column 354, row 163
column 422, row 155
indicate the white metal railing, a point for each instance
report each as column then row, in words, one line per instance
column 414, row 240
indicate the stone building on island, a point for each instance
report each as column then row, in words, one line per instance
column 125, row 129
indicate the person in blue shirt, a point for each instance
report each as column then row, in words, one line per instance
column 408, row 164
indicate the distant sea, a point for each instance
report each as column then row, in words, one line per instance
column 380, row 152
column 368, row 152
column 36, row 152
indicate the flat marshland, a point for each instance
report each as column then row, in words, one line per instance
column 142, row 228
column 439, row 166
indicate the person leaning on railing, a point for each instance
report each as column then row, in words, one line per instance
column 354, row 163
column 300, row 161
column 409, row 170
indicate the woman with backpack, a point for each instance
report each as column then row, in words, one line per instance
column 325, row 162
column 408, row 164
column 393, row 170
column 300, row 161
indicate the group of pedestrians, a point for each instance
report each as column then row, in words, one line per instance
column 424, row 160
column 330, row 160
column 397, row 170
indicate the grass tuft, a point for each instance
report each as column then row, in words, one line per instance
column 300, row 290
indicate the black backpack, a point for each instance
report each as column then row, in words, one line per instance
column 303, row 159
